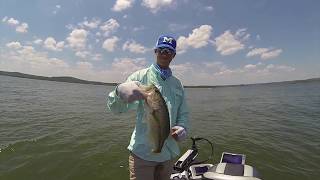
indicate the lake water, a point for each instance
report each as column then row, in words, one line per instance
column 56, row 130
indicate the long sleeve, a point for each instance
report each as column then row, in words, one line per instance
column 116, row 105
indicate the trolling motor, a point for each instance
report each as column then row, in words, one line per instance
column 182, row 166
column 231, row 166
column 187, row 158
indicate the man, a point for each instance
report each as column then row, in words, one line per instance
column 143, row 163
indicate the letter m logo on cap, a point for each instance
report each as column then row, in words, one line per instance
column 167, row 39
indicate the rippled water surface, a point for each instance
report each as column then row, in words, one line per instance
column 55, row 130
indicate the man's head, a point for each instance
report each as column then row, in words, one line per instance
column 165, row 50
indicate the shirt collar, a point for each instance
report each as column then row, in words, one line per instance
column 164, row 73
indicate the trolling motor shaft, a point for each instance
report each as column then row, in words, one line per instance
column 188, row 157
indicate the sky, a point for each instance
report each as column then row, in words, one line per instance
column 219, row 42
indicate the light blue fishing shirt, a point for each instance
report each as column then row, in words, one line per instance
column 174, row 96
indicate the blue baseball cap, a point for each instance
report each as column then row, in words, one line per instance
column 167, row 41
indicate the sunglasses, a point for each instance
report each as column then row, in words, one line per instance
column 165, row 50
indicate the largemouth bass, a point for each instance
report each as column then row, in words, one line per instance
column 157, row 117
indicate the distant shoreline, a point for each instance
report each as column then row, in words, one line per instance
column 67, row 79
column 70, row 79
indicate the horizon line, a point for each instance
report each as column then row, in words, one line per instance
column 82, row 81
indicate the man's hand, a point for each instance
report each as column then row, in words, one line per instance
column 178, row 133
column 130, row 91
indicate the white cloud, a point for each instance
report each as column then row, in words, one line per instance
column 177, row 27
column 70, row 27
column 89, row 56
column 271, row 54
column 215, row 66
column 94, row 23
column 117, row 71
column 199, row 70
column 126, row 66
column 57, row 8
column 23, row 28
column 280, row 68
column 109, row 26
column 250, row 66
column 13, row 22
column 156, row 5
column 14, row 45
column 182, row 69
column 84, row 65
column 140, row 28
column 134, row 47
column 264, row 53
column 208, row 8
column 242, row 35
column 110, row 44
column 20, row 28
column 26, row 59
column 57, row 63
column 60, row 45
column 4, row 19
column 121, row 5
column 51, row 44
column 29, row 51
column 98, row 34
column 198, row 38
column 218, row 73
column 229, row 43
column 77, row 39
column 257, row 51
column 37, row 41
column 258, row 38
column 82, row 54
column 96, row 57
